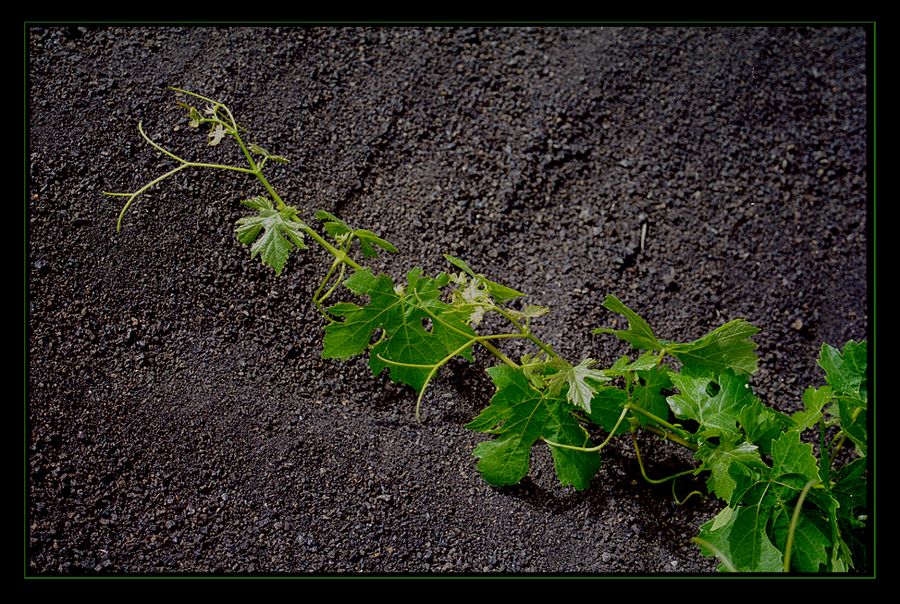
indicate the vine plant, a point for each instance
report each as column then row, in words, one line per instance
column 787, row 509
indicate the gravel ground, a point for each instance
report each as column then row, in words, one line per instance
column 180, row 417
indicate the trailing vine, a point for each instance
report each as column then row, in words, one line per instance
column 787, row 509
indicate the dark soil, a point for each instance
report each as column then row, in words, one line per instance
column 181, row 419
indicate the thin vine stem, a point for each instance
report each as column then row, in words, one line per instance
column 795, row 518
column 596, row 448
column 637, row 452
column 680, row 502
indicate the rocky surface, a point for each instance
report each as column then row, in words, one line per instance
column 180, row 418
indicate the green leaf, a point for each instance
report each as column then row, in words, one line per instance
column 762, row 500
column 257, row 150
column 716, row 533
column 854, row 423
column 752, row 550
column 762, row 424
column 741, row 537
column 845, row 371
column 728, row 347
column 530, row 312
column 575, row 468
column 841, row 555
column 580, row 392
column 725, row 459
column 850, row 487
column 343, row 308
column 408, row 350
column 520, row 415
column 606, row 408
column 790, row 456
column 814, row 399
column 280, row 234
column 369, row 240
column 645, row 362
column 638, row 333
column 334, row 226
column 718, row 415
column 460, row 264
column 517, row 414
column 347, row 338
column 500, row 293
column 810, row 549
column 647, row 393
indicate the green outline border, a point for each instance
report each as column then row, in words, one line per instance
column 448, row 23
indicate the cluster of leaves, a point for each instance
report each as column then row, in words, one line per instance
column 778, row 492
column 785, row 508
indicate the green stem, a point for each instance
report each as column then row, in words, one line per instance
column 325, row 280
column 789, row 544
column 236, row 134
column 534, row 339
column 133, row 196
column 658, row 420
column 434, row 368
column 499, row 354
column 591, row 449
column 688, row 496
column 637, row 452
column 192, row 164
column 836, row 448
column 342, row 256
column 338, row 281
column 194, row 94
column 825, row 458
column 671, row 437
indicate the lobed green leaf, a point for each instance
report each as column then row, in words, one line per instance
column 520, row 415
column 728, row 347
column 272, row 234
column 409, row 350
column 717, row 414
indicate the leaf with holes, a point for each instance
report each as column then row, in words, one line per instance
column 717, row 412
column 648, row 394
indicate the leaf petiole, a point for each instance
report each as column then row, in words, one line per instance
column 591, row 449
column 793, row 527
